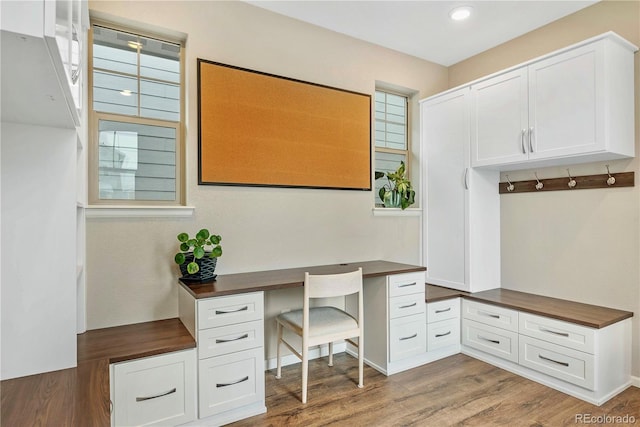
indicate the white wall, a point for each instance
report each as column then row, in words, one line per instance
column 38, row 284
column 131, row 275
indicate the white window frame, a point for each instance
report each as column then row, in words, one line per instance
column 406, row 153
column 105, row 207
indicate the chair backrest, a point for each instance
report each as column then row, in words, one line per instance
column 332, row 285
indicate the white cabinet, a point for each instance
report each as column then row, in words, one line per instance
column 158, row 390
column 443, row 326
column 589, row 363
column 43, row 40
column 462, row 224
column 229, row 332
column 491, row 329
column 395, row 322
column 574, row 105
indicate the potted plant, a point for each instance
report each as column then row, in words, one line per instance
column 198, row 256
column 397, row 193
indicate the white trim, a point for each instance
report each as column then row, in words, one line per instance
column 397, row 212
column 96, row 211
column 635, row 381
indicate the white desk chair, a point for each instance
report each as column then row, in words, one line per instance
column 322, row 325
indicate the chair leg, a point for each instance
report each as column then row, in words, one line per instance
column 330, row 354
column 279, row 344
column 305, row 372
column 360, row 363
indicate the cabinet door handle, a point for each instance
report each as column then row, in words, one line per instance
column 407, row 285
column 553, row 361
column 524, row 148
column 142, row 399
column 443, row 335
column 410, row 305
column 220, row 341
column 245, row 308
column 232, row 383
column 495, row 316
column 562, row 334
column 443, row 311
column 408, row 338
column 466, row 178
column 531, row 139
column 490, row 340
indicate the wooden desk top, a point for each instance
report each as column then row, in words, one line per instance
column 593, row 316
column 229, row 284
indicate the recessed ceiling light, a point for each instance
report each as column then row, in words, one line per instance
column 460, row 13
column 125, row 92
column 134, row 45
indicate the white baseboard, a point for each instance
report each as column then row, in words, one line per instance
column 635, row 381
column 314, row 353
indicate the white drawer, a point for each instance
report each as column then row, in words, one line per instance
column 443, row 334
column 492, row 340
column 229, row 339
column 231, row 381
column 407, row 283
column 406, row 305
column 157, row 390
column 560, row 362
column 442, row 310
column 558, row 332
column 490, row 315
column 407, row 337
column 228, row 310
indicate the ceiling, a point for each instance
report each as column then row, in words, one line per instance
column 423, row 28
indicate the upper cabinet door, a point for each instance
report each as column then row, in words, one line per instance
column 566, row 103
column 499, row 119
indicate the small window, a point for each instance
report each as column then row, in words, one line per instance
column 136, row 125
column 392, row 142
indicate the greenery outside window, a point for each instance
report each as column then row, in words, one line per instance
column 136, row 127
column 391, row 130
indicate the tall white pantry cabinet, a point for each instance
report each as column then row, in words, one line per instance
column 574, row 105
column 43, row 184
column 463, row 207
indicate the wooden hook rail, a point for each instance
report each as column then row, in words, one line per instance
column 623, row 179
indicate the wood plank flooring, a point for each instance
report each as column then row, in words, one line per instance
column 458, row 390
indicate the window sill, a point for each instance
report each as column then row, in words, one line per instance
column 397, row 212
column 98, row 211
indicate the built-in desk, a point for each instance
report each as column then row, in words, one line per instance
column 229, row 284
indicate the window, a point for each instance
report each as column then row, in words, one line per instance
column 136, row 125
column 392, row 142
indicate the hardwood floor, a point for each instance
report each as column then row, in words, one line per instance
column 458, row 390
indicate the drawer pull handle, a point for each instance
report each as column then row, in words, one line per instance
column 408, row 338
column 220, row 341
column 410, row 305
column 490, row 340
column 495, row 316
column 562, row 334
column 554, row 361
column 142, row 399
column 245, row 308
column 405, row 285
column 443, row 311
column 233, row 383
column 443, row 335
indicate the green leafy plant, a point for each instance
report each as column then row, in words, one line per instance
column 398, row 192
column 204, row 244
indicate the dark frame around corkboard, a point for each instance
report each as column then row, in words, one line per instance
column 259, row 129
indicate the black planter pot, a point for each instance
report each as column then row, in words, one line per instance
column 207, row 269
